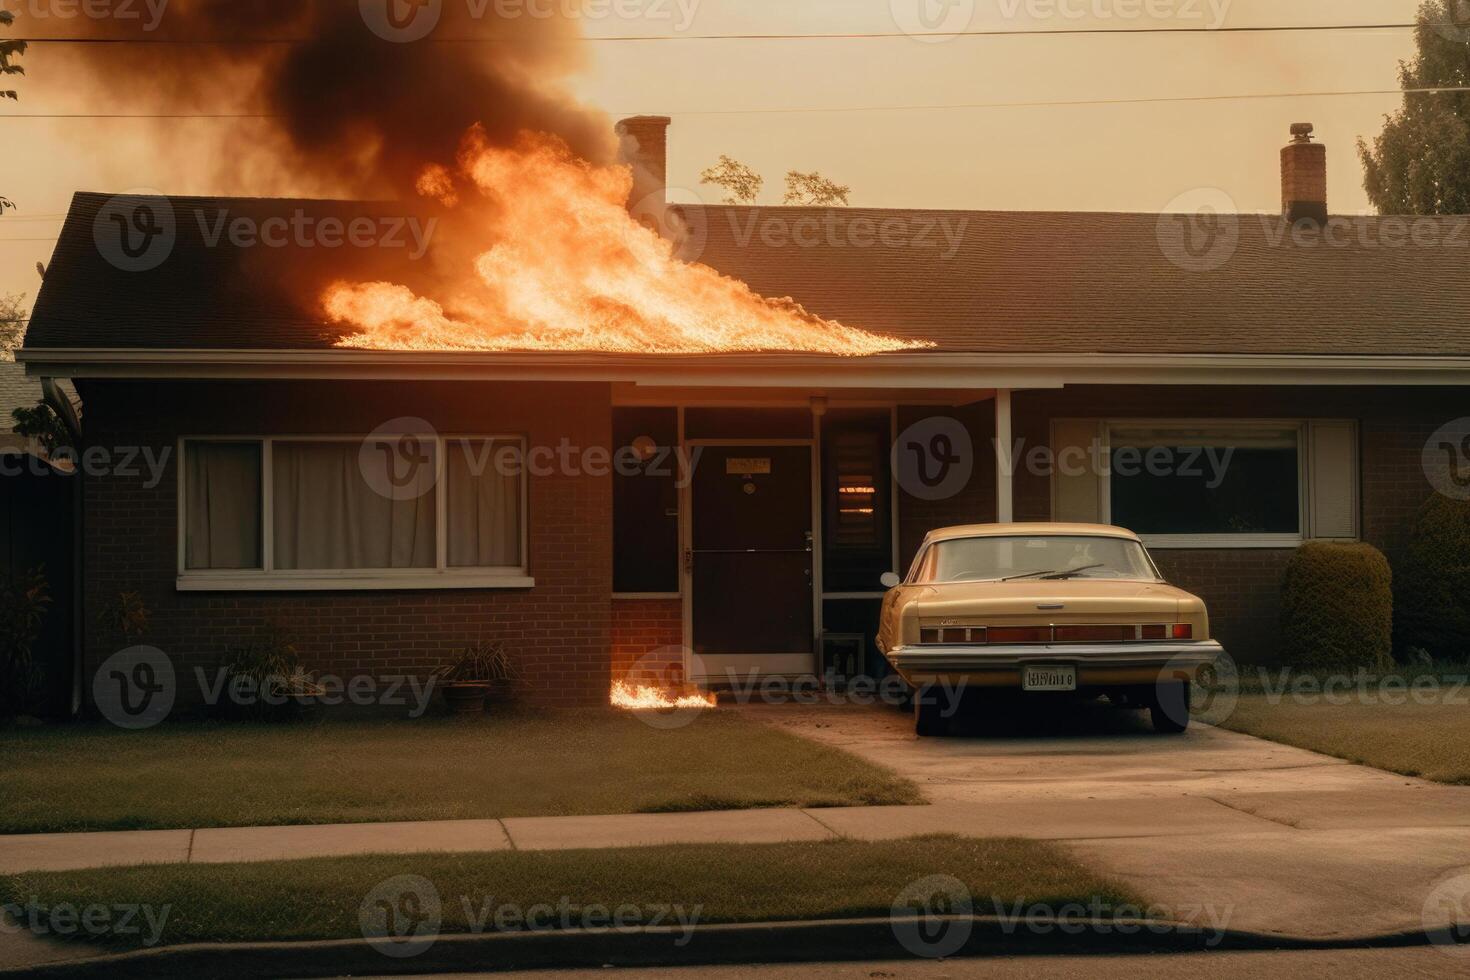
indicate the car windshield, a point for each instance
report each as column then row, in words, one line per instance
column 992, row 558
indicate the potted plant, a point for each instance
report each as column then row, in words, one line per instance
column 264, row 680
column 127, row 616
column 475, row 672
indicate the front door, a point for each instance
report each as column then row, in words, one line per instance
column 751, row 561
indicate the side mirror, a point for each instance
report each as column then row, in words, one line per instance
column 889, row 580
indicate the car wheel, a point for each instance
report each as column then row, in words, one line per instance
column 929, row 717
column 1169, row 711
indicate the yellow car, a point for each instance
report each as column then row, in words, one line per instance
column 1075, row 609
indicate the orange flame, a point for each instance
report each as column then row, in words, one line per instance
column 641, row 697
column 568, row 268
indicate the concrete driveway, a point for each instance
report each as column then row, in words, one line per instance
column 1209, row 824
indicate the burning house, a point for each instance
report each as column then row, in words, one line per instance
column 544, row 406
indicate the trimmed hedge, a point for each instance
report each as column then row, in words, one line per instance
column 1432, row 582
column 1337, row 607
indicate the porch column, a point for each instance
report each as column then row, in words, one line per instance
column 1004, row 507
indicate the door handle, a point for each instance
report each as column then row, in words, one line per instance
column 688, row 559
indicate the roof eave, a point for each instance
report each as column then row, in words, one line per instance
column 932, row 369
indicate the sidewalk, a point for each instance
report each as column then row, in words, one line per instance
column 1071, row 820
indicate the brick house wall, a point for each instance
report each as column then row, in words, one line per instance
column 1242, row 586
column 648, row 634
column 558, row 632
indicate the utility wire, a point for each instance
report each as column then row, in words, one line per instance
column 915, row 107
column 842, row 36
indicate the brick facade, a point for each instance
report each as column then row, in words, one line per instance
column 558, row 632
column 647, row 639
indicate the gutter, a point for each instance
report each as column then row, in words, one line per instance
column 896, row 370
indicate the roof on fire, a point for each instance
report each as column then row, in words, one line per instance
column 964, row 281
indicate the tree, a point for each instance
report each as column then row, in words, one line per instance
column 8, row 51
column 814, row 190
column 1420, row 163
column 741, row 184
column 12, row 325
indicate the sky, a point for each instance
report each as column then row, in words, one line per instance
column 734, row 97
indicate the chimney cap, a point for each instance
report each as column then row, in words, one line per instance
column 1301, row 132
column 634, row 121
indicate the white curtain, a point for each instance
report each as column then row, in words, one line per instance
column 336, row 508
column 222, row 505
column 484, row 502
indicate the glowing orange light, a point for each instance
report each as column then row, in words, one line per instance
column 563, row 266
column 644, row 698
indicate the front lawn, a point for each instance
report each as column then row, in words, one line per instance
column 1428, row 735
column 325, row 898
column 73, row 778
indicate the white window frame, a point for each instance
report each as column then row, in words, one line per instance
column 1242, row 540
column 272, row 579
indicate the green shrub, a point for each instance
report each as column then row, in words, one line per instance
column 24, row 598
column 1337, row 607
column 1432, row 582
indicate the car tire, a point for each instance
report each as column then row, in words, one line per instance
column 929, row 719
column 1169, row 711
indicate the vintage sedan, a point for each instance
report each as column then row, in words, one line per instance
column 1077, row 610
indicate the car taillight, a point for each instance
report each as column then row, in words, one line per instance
column 1183, row 631
column 1093, row 634
column 1156, row 631
column 1020, row 634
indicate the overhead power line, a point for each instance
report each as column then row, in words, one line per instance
column 836, row 36
column 911, row 107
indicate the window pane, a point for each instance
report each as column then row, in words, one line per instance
column 353, row 505
column 222, row 506
column 857, row 542
column 1206, row 483
column 645, row 500
column 484, row 494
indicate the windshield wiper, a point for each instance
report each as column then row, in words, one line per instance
column 1072, row 571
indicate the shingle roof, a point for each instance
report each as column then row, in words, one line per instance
column 976, row 281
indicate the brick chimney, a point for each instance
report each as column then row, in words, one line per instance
column 1303, row 177
column 644, row 144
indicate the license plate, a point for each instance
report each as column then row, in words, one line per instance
column 1049, row 678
